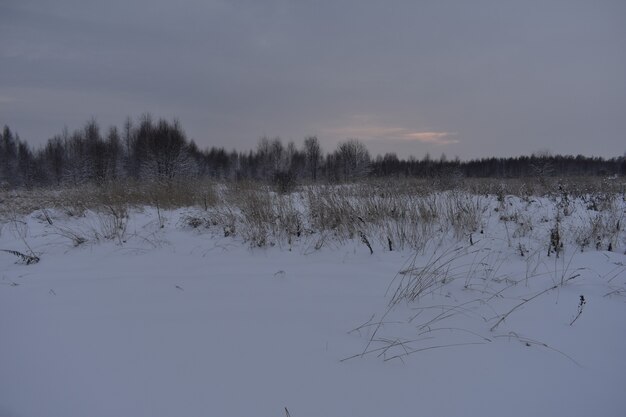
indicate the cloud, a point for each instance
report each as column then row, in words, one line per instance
column 390, row 133
column 438, row 138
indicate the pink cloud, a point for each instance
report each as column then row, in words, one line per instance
column 374, row 132
column 438, row 138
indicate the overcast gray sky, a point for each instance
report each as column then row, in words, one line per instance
column 468, row 78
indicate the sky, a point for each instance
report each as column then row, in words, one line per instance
column 465, row 78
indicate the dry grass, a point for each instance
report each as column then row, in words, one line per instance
column 382, row 214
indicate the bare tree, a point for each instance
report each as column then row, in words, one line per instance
column 166, row 155
column 353, row 159
column 272, row 158
column 8, row 157
column 55, row 159
column 313, row 156
column 75, row 171
column 25, row 164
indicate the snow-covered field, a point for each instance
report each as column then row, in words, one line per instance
column 145, row 315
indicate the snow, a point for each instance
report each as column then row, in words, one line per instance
column 174, row 321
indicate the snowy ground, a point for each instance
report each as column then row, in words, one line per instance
column 174, row 321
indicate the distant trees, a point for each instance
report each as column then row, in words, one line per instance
column 17, row 162
column 159, row 151
column 8, row 157
column 271, row 158
column 352, row 159
column 26, row 167
column 54, row 157
column 388, row 165
column 312, row 157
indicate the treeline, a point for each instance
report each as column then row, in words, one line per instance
column 149, row 150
